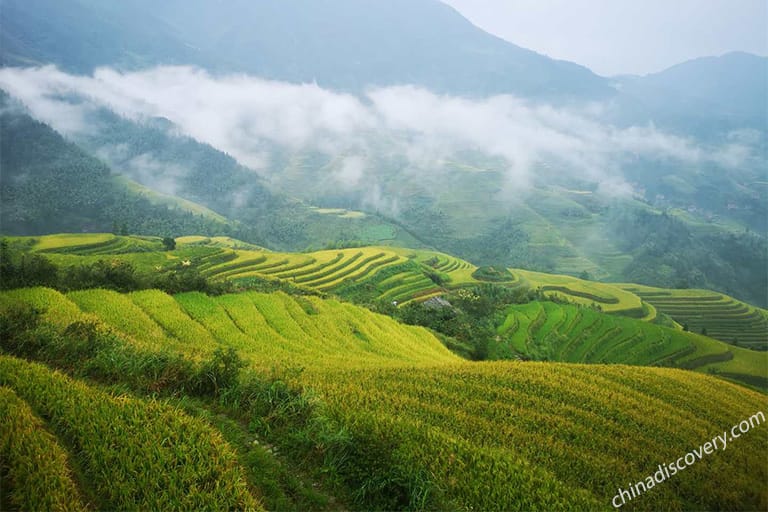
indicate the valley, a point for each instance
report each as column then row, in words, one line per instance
column 353, row 255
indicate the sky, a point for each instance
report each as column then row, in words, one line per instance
column 613, row 37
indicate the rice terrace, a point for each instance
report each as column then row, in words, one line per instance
column 375, row 256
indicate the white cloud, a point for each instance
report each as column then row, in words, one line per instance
column 247, row 117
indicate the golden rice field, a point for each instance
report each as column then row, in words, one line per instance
column 462, row 435
column 128, row 453
column 609, row 297
column 267, row 329
column 385, row 268
column 551, row 436
column 401, row 275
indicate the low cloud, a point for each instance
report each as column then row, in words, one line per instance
column 248, row 117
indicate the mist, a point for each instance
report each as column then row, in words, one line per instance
column 248, row 117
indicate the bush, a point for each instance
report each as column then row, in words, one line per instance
column 493, row 274
column 116, row 275
column 169, row 243
column 218, row 374
column 18, row 270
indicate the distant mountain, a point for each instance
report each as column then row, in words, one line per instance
column 736, row 82
column 79, row 36
column 145, row 180
column 48, row 184
column 341, row 44
column 466, row 201
column 703, row 96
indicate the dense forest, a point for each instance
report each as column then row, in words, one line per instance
column 49, row 184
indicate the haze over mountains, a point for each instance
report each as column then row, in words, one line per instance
column 406, row 110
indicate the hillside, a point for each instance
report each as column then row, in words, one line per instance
column 49, row 184
column 155, row 184
column 679, row 228
column 603, row 323
column 570, row 160
column 554, row 332
column 48, row 414
column 363, row 255
column 413, row 417
column 378, row 272
column 714, row 314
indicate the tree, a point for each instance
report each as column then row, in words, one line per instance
column 169, row 243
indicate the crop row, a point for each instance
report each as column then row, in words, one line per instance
column 231, row 265
column 572, row 334
column 309, row 270
column 218, row 257
column 363, row 270
column 723, row 317
column 320, row 273
column 407, row 288
column 134, row 454
column 266, row 329
column 36, row 469
column 579, row 432
column 368, row 272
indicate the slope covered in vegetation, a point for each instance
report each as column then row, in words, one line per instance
column 127, row 453
column 391, row 274
column 557, row 332
column 399, row 420
column 714, row 314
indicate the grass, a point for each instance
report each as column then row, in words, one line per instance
column 404, row 422
column 134, row 454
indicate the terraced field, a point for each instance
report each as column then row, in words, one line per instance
column 268, row 329
column 610, row 298
column 429, row 429
column 385, row 269
column 95, row 244
column 323, row 270
column 555, row 332
column 544, row 436
column 403, row 275
column 716, row 314
column 130, row 454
